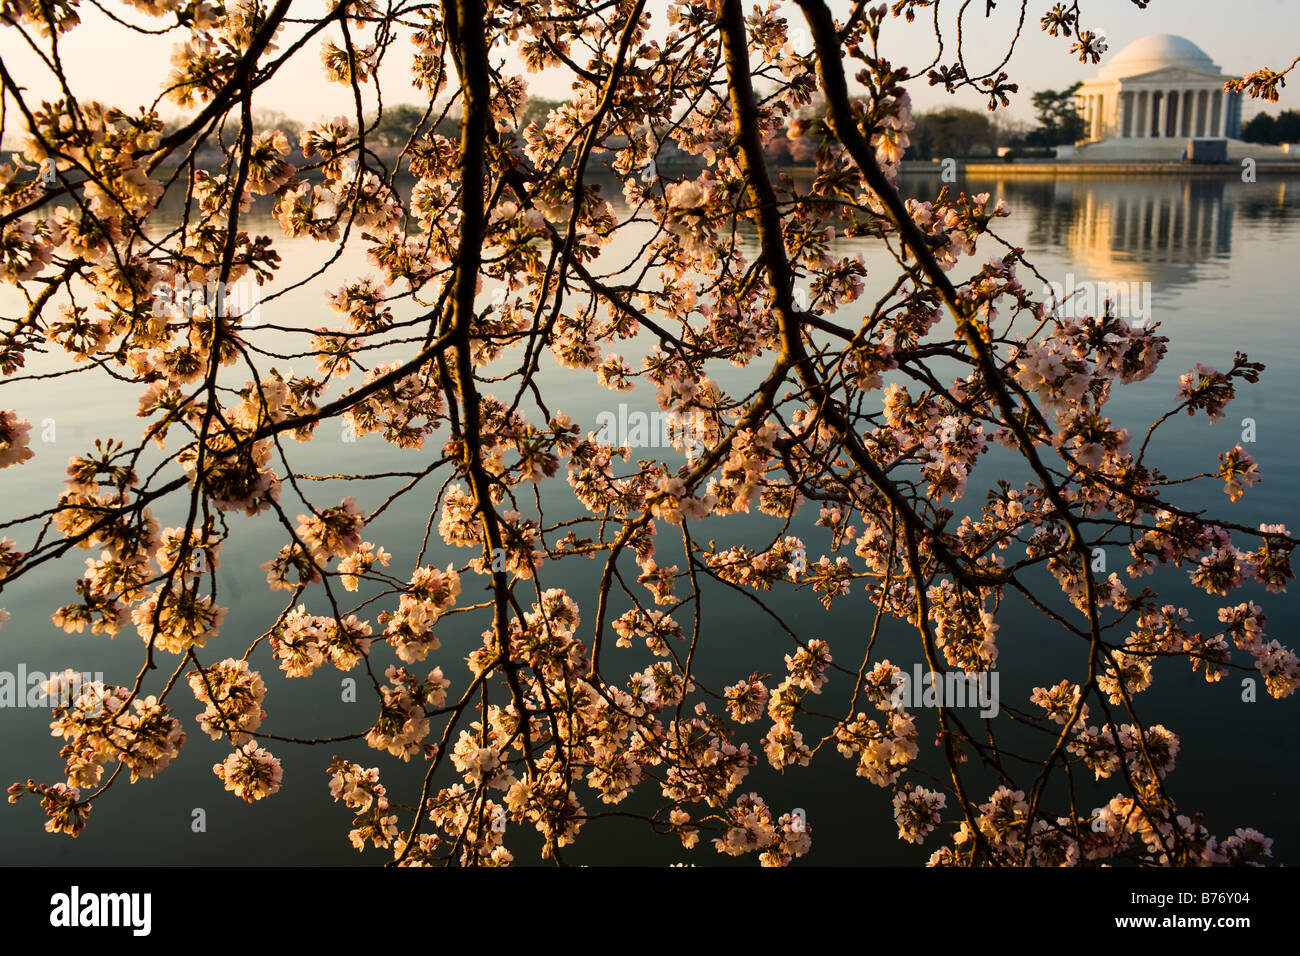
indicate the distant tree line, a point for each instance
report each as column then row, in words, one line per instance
column 953, row 131
column 1266, row 128
column 950, row 131
column 395, row 127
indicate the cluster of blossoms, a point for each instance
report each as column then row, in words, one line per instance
column 1060, row 701
column 360, row 790
column 883, row 752
column 429, row 594
column 333, row 532
column 302, row 642
column 107, row 723
column 785, row 559
column 174, row 619
column 751, row 826
column 1148, row 755
column 783, row 744
column 656, row 627
column 747, row 700
column 14, row 440
column 403, row 721
column 232, row 695
column 1238, row 472
column 250, row 772
column 917, row 812
column 963, row 627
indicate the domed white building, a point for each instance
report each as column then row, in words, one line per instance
column 1154, row 95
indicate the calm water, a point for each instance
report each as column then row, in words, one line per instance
column 1219, row 257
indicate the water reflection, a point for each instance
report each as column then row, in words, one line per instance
column 1165, row 230
column 1151, row 230
column 1181, row 235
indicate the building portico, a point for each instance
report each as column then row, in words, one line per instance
column 1156, row 94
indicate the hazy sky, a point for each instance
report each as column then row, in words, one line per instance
column 113, row 65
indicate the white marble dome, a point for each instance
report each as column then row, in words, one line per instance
column 1157, row 52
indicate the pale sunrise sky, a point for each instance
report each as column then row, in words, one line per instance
column 108, row 63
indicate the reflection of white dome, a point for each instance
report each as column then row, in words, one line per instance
column 1157, row 52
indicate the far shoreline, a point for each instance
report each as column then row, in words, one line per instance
column 1051, row 168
